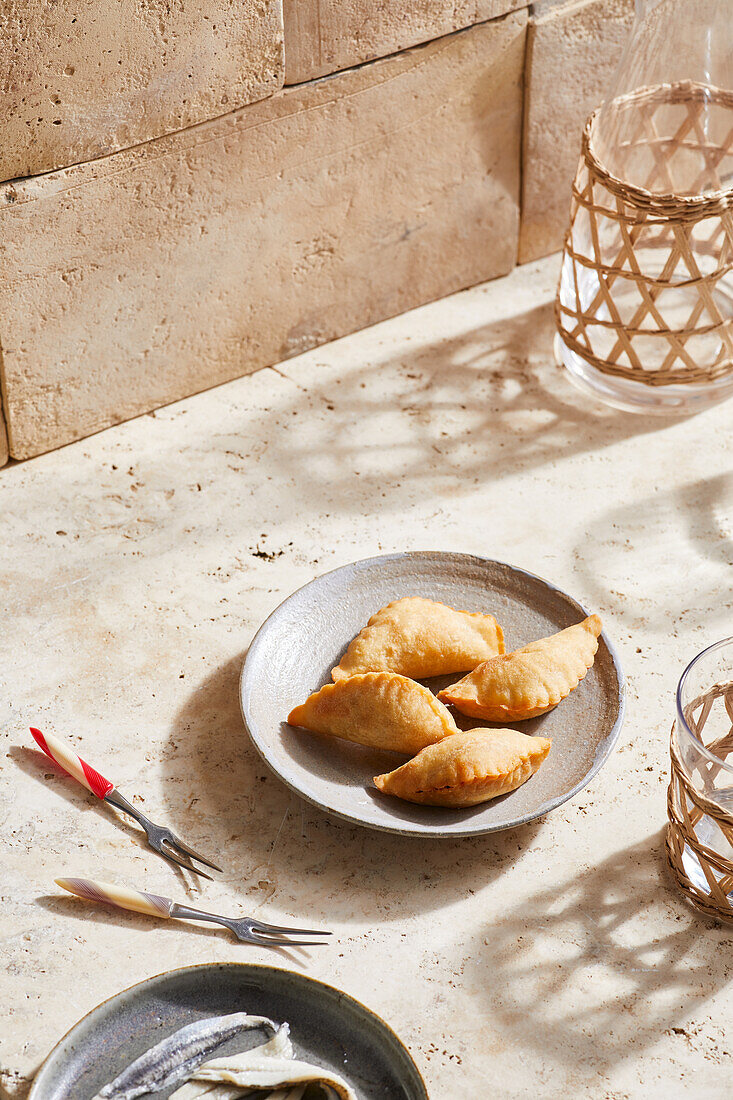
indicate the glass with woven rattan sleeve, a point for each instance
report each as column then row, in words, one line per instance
column 644, row 310
column 700, row 795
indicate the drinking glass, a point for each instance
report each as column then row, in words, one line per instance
column 645, row 304
column 700, row 796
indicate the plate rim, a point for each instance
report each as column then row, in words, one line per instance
column 46, row 1066
column 429, row 831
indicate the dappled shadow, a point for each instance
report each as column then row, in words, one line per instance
column 437, row 417
column 640, row 556
column 487, row 403
column 594, row 970
column 283, row 851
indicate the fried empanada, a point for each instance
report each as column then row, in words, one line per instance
column 419, row 638
column 529, row 681
column 467, row 768
column 380, row 709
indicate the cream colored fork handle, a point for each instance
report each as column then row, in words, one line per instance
column 122, row 896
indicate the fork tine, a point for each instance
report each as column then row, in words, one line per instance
column 174, row 839
column 173, row 858
column 260, row 926
column 282, row 941
column 158, row 835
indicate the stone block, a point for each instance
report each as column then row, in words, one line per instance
column 325, row 36
column 134, row 280
column 3, row 437
column 572, row 53
column 83, row 80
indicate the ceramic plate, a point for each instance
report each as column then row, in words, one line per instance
column 296, row 648
column 326, row 1026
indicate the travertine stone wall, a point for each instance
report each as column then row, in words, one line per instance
column 83, row 79
column 323, row 36
column 147, row 257
column 572, row 53
column 3, row 436
column 130, row 281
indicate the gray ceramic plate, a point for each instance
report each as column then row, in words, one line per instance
column 326, row 1027
column 294, row 651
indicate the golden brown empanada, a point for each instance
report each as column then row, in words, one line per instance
column 379, row 709
column 419, row 638
column 467, row 768
column 528, row 681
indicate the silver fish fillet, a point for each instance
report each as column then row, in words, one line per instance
column 277, row 1047
column 175, row 1058
column 252, row 1070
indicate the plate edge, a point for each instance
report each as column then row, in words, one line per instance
column 33, row 1094
column 422, row 831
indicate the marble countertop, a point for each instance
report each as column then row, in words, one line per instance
column 555, row 960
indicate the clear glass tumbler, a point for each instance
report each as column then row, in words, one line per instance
column 645, row 304
column 700, row 797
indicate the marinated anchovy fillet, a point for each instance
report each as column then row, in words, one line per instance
column 254, row 1070
column 209, row 1090
column 277, row 1047
column 177, row 1057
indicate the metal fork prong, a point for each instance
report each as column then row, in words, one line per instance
column 258, row 926
column 282, row 941
column 245, row 928
column 158, row 835
column 175, row 840
column 173, row 858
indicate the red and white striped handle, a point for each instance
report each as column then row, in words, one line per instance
column 66, row 758
column 121, row 896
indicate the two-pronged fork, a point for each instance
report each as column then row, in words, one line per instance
column 245, row 929
column 163, row 841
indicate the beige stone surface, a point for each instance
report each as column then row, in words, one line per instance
column 557, row 960
column 572, row 53
column 132, row 281
column 323, row 36
column 80, row 80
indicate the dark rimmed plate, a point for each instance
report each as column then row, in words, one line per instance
column 326, row 1027
column 295, row 649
